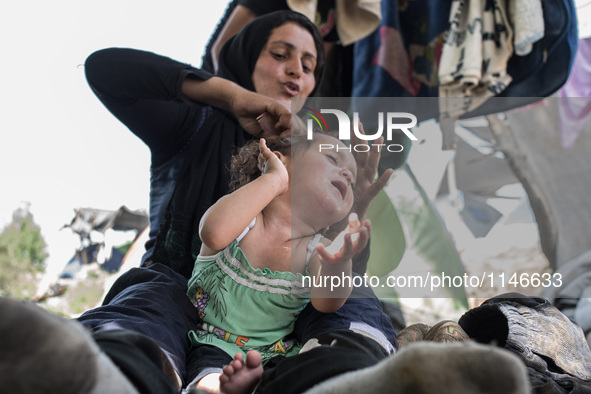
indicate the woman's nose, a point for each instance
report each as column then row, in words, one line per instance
column 294, row 68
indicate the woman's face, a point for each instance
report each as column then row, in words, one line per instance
column 285, row 67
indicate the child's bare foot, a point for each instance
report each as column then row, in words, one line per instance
column 241, row 377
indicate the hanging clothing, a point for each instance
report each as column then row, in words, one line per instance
column 527, row 19
column 574, row 103
column 475, row 53
column 354, row 19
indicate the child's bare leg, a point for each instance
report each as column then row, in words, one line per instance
column 242, row 377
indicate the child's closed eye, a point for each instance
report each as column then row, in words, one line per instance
column 332, row 157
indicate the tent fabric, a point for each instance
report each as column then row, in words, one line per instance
column 414, row 225
column 87, row 220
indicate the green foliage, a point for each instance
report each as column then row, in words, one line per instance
column 84, row 296
column 22, row 253
column 124, row 248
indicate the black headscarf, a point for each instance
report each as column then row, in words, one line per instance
column 205, row 177
column 240, row 53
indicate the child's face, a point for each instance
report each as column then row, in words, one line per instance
column 322, row 181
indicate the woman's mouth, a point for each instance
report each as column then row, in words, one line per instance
column 291, row 88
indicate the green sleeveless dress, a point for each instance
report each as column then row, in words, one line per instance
column 244, row 308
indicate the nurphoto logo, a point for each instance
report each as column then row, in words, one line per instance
column 392, row 122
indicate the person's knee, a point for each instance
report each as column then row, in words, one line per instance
column 41, row 350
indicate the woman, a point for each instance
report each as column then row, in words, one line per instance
column 157, row 98
column 192, row 121
column 341, row 23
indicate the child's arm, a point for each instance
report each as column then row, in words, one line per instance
column 229, row 216
column 333, row 263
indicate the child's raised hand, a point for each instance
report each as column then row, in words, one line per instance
column 348, row 243
column 367, row 187
column 269, row 163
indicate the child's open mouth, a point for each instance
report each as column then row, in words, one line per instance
column 341, row 187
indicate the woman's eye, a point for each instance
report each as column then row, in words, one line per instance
column 332, row 157
column 278, row 56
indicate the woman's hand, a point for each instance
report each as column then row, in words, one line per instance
column 260, row 115
column 367, row 187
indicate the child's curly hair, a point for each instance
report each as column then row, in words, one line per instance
column 244, row 166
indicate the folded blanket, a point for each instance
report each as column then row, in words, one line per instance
column 527, row 19
column 476, row 50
